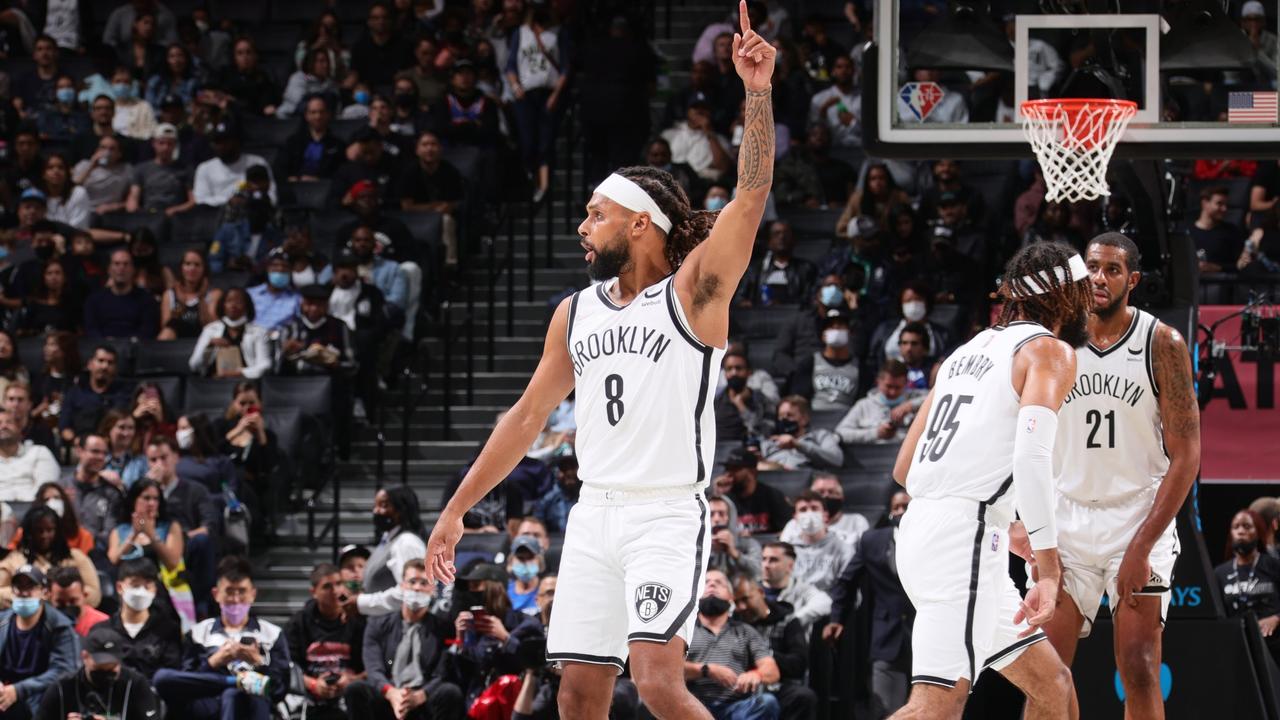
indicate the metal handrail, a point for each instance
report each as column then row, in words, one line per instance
column 409, row 402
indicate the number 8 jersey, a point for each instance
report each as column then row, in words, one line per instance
column 1110, row 445
column 644, row 386
column 966, row 450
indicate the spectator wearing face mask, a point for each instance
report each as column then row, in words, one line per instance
column 729, row 662
column 405, row 657
column 66, row 593
column 795, row 445
column 801, row 337
column 275, row 301
column 740, row 411
column 234, row 664
column 830, row 375
column 525, row 563
column 326, row 642
column 43, row 546
column 234, row 345
column 397, row 524
column 1250, row 578
column 732, row 551
column 915, row 302
column 553, row 507
column 151, row 639
column 850, row 526
column 37, row 645
column 104, row 687
column 53, row 496
column 886, row 412
column 820, row 553
column 873, row 571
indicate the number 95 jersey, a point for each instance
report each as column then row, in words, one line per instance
column 644, row 385
column 966, row 450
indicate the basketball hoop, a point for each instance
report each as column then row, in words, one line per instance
column 1073, row 140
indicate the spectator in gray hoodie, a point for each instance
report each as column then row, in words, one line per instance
column 732, row 549
column 794, row 445
column 884, row 415
column 820, row 553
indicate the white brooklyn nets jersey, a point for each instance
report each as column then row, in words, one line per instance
column 644, row 391
column 1110, row 446
column 966, row 450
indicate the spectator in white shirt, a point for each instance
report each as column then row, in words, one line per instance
column 839, row 107
column 219, row 177
column 24, row 466
column 695, row 142
column 848, row 525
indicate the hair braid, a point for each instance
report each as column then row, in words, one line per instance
column 688, row 226
column 1056, row 307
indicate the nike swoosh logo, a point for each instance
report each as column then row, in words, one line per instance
column 1134, row 352
column 653, row 293
column 1033, row 532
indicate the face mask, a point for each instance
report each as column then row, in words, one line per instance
column 278, row 280
column 893, row 402
column 835, row 337
column 406, row 101
column 833, row 506
column 66, row 96
column 416, row 600
column 56, row 505
column 184, row 438
column 894, row 520
column 525, row 572
column 712, row 606
column 832, row 296
column 382, row 523
column 811, row 523
column 361, row 97
column 71, row 611
column 235, row 614
column 787, row 427
column 101, row 678
column 26, row 607
column 913, row 310
column 303, row 278
column 121, row 90
column 1239, row 547
column 736, row 383
column 234, row 323
column 4, row 252
column 138, row 599
column 716, row 203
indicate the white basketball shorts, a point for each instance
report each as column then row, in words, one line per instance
column 632, row 569
column 1092, row 540
column 953, row 561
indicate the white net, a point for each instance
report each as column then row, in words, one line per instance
column 1073, row 141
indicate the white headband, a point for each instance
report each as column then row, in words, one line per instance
column 633, row 197
column 1040, row 283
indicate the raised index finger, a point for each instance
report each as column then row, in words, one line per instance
column 743, row 18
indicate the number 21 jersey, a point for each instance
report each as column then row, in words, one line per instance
column 1110, row 445
column 966, row 450
column 644, row 384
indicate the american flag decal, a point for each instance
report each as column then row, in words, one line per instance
column 1251, row 107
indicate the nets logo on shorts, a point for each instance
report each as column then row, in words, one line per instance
column 651, row 600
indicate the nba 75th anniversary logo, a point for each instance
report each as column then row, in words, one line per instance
column 651, row 600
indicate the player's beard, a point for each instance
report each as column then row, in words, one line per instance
column 1075, row 330
column 1109, row 310
column 610, row 259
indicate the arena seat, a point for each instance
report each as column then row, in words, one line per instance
column 163, row 357
column 311, row 395
column 195, row 226
column 311, row 195
column 790, row 482
column 123, row 346
column 157, row 223
column 261, row 133
column 826, row 419
column 31, row 353
column 208, row 395
column 871, row 456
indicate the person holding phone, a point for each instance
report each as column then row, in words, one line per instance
column 485, row 625
column 325, row 639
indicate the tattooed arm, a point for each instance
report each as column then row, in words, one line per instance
column 708, row 277
column 1180, row 421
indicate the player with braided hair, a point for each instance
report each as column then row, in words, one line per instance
column 980, row 451
column 641, row 349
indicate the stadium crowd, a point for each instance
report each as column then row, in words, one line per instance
column 194, row 206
